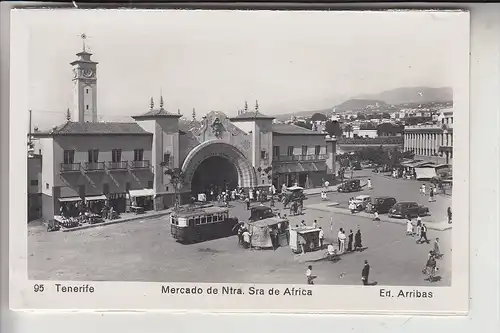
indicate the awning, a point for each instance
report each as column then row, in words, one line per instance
column 146, row 192
column 95, row 197
column 70, row 199
column 425, row 173
column 301, row 167
column 445, row 149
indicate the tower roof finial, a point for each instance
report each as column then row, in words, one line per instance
column 246, row 106
column 161, row 102
column 256, row 106
column 83, row 37
column 151, row 104
column 68, row 115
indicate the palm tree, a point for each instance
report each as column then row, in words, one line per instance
column 348, row 130
column 176, row 179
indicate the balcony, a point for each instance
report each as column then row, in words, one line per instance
column 94, row 166
column 300, row 158
column 71, row 167
column 122, row 165
column 139, row 165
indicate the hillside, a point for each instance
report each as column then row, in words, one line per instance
column 305, row 114
column 358, row 104
column 413, row 95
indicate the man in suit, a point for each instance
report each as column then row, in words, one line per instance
column 365, row 272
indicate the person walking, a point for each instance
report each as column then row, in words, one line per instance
column 436, row 249
column 247, row 202
column 423, row 234
column 448, row 212
column 422, row 189
column 350, row 240
column 369, row 183
column 303, row 223
column 375, row 215
column 315, row 224
column 431, row 195
column 409, row 227
column 309, row 277
column 358, row 245
column 365, row 273
column 338, row 237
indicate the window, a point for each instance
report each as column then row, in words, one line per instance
column 166, row 158
column 87, row 106
column 191, row 222
column 209, row 218
column 175, row 221
column 116, row 155
column 263, row 154
column 87, row 91
column 203, row 220
column 276, row 151
column 290, row 151
column 105, row 188
column 69, row 157
column 197, row 220
column 317, row 150
column 216, row 217
column 34, row 182
column 138, row 154
column 93, row 155
column 304, row 150
column 150, row 184
column 47, row 186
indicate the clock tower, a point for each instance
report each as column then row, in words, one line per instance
column 84, row 87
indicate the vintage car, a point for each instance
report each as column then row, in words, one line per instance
column 381, row 205
column 408, row 209
column 351, row 185
column 356, row 165
column 361, row 201
column 260, row 212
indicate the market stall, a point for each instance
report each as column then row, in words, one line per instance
column 304, row 239
column 141, row 200
column 268, row 233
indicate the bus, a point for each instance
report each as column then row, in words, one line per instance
column 202, row 224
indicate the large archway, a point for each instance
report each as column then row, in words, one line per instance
column 217, row 161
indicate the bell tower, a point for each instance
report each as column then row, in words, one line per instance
column 84, row 86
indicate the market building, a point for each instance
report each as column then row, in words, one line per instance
column 433, row 141
column 125, row 164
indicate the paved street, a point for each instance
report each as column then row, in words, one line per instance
column 145, row 251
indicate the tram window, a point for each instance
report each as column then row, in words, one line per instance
column 216, row 218
column 174, row 221
column 191, row 222
column 209, row 218
column 197, row 220
column 203, row 220
column 181, row 222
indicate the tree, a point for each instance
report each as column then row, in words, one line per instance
column 318, row 117
column 333, row 129
column 386, row 115
column 361, row 116
column 386, row 129
column 176, row 179
column 348, row 129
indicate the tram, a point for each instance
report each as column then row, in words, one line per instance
column 192, row 226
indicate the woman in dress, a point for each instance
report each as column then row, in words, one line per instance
column 350, row 240
column 357, row 241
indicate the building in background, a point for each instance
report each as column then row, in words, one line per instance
column 432, row 141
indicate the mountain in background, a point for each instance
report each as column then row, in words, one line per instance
column 305, row 114
column 413, row 95
column 359, row 104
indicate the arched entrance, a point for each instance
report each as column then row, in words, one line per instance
column 217, row 161
column 214, row 173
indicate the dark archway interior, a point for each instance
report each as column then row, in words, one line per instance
column 215, row 173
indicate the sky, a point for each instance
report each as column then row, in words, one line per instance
column 288, row 61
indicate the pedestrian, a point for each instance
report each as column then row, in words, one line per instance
column 251, row 194
column 310, row 278
column 437, row 249
column 409, row 227
column 358, row 245
column 315, row 224
column 352, row 207
column 431, row 195
column 376, row 217
column 422, row 189
column 338, row 237
column 274, row 238
column 326, row 184
column 350, row 241
column 342, row 241
column 423, row 234
column 302, row 223
column 448, row 212
column 246, row 239
column 321, row 237
column 365, row 272
column 369, row 183
column 247, row 201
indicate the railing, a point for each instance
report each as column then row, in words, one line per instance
column 122, row 165
column 286, row 158
column 139, row 164
column 94, row 166
column 70, row 167
column 381, row 140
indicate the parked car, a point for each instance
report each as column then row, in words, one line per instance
column 408, row 209
column 260, row 212
column 351, row 185
column 362, row 201
column 382, row 205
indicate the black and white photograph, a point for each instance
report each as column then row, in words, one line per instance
column 319, row 154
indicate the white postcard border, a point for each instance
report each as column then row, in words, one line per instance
column 142, row 296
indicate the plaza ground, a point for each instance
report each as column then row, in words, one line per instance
column 143, row 250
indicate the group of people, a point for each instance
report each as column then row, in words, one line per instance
column 432, row 191
column 418, row 230
column 354, row 242
column 365, row 272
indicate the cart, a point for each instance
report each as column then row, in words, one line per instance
column 308, row 236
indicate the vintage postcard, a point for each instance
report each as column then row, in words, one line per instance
column 260, row 161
